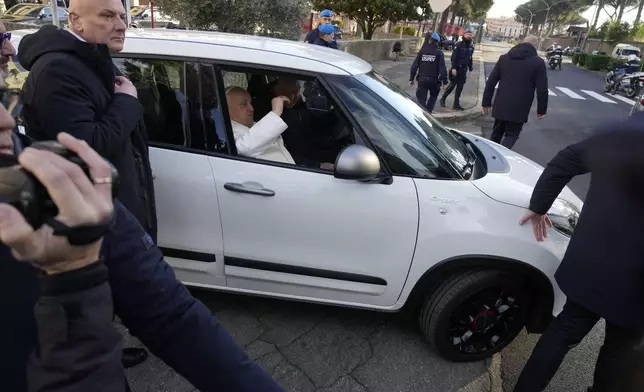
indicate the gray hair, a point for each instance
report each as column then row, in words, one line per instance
column 532, row 40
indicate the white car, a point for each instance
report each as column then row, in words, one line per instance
column 413, row 215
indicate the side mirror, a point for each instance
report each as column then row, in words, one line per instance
column 357, row 162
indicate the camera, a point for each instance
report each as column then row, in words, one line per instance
column 22, row 189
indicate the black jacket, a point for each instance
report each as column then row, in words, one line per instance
column 152, row 304
column 462, row 55
column 430, row 63
column 78, row 347
column 519, row 73
column 70, row 88
column 603, row 268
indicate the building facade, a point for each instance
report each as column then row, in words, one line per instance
column 505, row 27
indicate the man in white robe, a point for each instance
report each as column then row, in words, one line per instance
column 260, row 139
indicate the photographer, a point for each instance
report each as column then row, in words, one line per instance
column 78, row 347
column 147, row 297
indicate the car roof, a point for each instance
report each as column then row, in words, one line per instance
column 249, row 49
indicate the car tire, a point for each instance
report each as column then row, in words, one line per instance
column 440, row 306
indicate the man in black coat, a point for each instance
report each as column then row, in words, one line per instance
column 72, row 87
column 432, row 74
column 602, row 272
column 461, row 63
column 519, row 73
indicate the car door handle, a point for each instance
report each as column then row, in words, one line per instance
column 235, row 187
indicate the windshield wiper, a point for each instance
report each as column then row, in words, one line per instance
column 471, row 158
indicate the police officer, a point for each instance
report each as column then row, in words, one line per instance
column 461, row 62
column 312, row 36
column 326, row 33
column 430, row 66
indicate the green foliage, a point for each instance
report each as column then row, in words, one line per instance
column 277, row 18
column 596, row 33
column 575, row 58
column 583, row 57
column 561, row 13
column 371, row 14
column 338, row 22
column 408, row 30
column 637, row 32
column 596, row 62
column 616, row 31
column 614, row 62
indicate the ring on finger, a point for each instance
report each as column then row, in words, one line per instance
column 102, row 180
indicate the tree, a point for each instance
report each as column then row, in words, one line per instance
column 371, row 14
column 614, row 31
column 278, row 18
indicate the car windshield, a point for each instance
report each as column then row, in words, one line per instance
column 444, row 140
column 628, row 52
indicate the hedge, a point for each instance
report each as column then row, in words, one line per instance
column 409, row 30
column 582, row 59
column 614, row 62
column 596, row 62
column 575, row 58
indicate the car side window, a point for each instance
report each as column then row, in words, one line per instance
column 316, row 130
column 174, row 103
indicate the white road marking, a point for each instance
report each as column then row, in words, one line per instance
column 623, row 99
column 551, row 93
column 598, row 96
column 570, row 93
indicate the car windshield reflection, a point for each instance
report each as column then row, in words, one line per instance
column 444, row 140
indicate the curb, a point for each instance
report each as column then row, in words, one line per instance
column 474, row 111
column 494, row 367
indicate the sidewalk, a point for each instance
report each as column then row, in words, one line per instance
column 472, row 95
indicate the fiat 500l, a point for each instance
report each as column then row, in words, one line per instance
column 405, row 213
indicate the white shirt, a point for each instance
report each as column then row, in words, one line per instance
column 263, row 140
column 76, row 35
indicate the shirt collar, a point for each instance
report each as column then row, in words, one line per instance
column 76, row 35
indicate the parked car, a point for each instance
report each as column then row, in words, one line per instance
column 598, row 52
column 32, row 13
column 413, row 214
column 569, row 51
column 446, row 43
column 622, row 51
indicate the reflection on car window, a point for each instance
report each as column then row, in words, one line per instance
column 169, row 91
column 446, row 143
column 406, row 151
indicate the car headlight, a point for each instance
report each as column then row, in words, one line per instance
column 564, row 216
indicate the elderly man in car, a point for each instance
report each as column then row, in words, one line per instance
column 260, row 139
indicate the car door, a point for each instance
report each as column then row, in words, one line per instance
column 300, row 233
column 189, row 225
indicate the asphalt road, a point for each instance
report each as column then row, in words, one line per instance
column 576, row 108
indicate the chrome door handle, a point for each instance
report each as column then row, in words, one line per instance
column 236, row 187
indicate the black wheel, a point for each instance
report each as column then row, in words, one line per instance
column 473, row 315
column 630, row 92
column 607, row 86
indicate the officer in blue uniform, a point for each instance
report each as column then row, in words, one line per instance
column 326, row 33
column 432, row 73
column 312, row 36
column 461, row 62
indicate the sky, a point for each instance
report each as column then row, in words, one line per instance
column 507, row 7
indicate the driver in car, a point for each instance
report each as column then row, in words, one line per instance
column 308, row 134
column 260, row 139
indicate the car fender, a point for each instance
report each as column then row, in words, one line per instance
column 486, row 234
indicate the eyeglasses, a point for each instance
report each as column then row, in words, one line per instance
column 5, row 36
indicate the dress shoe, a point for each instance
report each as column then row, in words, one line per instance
column 133, row 356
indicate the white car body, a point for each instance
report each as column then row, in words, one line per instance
column 323, row 239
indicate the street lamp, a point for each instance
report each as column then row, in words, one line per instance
column 547, row 14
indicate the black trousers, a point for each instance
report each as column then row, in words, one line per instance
column 506, row 132
column 457, row 82
column 426, row 85
column 620, row 360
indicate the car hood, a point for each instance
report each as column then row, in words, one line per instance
column 511, row 177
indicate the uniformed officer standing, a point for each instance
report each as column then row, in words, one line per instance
column 432, row 73
column 461, row 62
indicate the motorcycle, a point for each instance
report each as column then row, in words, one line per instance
column 555, row 60
column 630, row 85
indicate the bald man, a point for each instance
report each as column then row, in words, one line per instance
column 74, row 75
column 263, row 139
column 72, row 87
